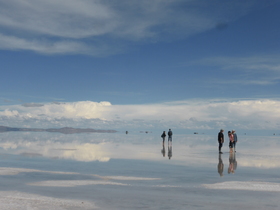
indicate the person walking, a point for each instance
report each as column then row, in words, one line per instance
column 221, row 140
column 234, row 139
column 170, row 135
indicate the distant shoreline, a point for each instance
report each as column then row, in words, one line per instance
column 64, row 130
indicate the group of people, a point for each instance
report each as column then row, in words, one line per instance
column 232, row 140
column 163, row 135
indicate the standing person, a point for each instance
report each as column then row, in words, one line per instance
column 234, row 139
column 170, row 135
column 221, row 140
column 230, row 136
column 163, row 135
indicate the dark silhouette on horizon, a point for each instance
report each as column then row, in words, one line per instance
column 64, row 130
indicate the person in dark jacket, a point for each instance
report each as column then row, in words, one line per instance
column 221, row 140
column 163, row 135
column 170, row 135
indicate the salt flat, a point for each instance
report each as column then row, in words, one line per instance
column 119, row 171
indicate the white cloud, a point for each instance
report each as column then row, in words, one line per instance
column 245, row 70
column 208, row 114
column 62, row 18
column 252, row 63
column 81, row 26
column 46, row 46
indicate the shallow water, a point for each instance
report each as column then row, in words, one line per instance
column 135, row 171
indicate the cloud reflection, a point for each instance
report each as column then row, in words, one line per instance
column 73, row 151
column 4, row 171
column 22, row 200
column 252, row 186
column 188, row 150
column 73, row 183
column 85, row 152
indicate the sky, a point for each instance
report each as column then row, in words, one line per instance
column 180, row 64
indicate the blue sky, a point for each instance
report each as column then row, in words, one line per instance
column 156, row 55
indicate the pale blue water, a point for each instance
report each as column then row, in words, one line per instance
column 119, row 171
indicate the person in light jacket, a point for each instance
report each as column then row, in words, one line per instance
column 234, row 139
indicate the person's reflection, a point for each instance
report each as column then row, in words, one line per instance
column 232, row 163
column 220, row 166
column 163, row 150
column 169, row 150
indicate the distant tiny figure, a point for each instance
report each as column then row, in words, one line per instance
column 234, row 139
column 220, row 166
column 221, row 140
column 126, row 132
column 163, row 135
column 230, row 136
column 170, row 135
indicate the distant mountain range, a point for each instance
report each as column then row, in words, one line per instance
column 65, row 130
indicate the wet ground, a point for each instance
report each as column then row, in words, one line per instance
column 137, row 171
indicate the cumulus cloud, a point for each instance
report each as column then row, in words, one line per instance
column 80, row 26
column 81, row 109
column 189, row 114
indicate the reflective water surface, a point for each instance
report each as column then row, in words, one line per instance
column 137, row 170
